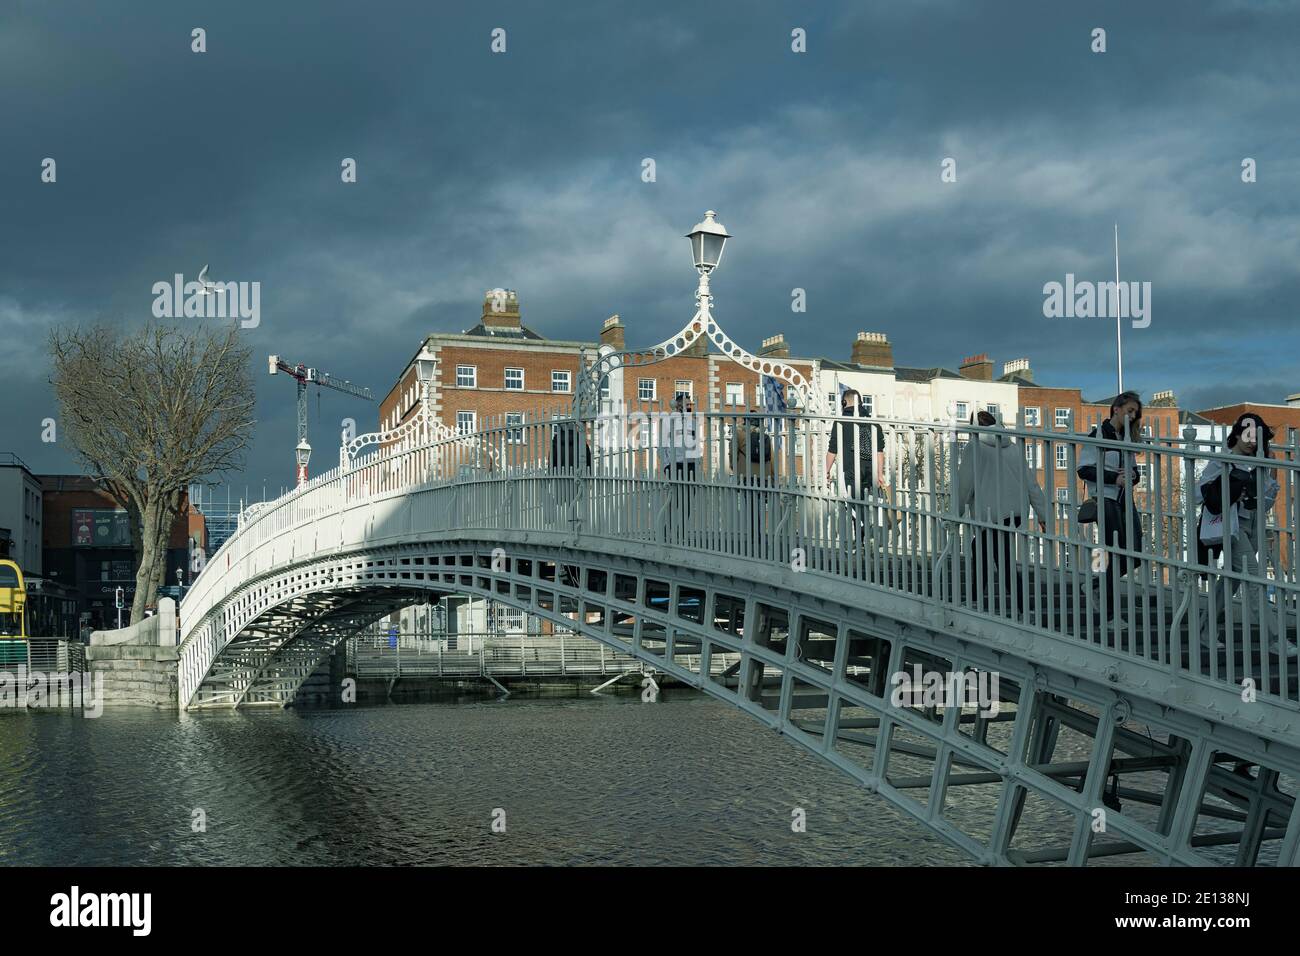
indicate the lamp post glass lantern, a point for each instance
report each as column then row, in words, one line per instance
column 424, row 366
column 707, row 240
column 424, row 363
column 303, row 455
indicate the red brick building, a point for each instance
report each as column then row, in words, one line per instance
column 1278, row 417
column 501, row 370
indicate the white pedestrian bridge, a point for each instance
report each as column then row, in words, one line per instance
column 1168, row 734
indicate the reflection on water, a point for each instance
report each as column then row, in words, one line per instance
column 582, row 780
column 585, row 779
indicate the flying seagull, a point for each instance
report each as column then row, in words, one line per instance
column 205, row 282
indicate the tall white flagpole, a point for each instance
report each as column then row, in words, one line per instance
column 1119, row 339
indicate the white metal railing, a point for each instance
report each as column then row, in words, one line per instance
column 500, row 655
column 55, row 655
column 603, row 479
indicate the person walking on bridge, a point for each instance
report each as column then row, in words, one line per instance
column 570, row 458
column 860, row 449
column 680, row 454
column 569, row 448
column 1114, row 471
column 753, row 464
column 1251, row 491
column 995, row 485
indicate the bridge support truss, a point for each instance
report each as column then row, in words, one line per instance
column 1049, row 767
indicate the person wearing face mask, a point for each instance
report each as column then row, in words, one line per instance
column 860, row 448
column 1111, row 476
column 1230, row 509
column 680, row 456
column 994, row 483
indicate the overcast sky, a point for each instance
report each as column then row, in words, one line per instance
column 524, row 170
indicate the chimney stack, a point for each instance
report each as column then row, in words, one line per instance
column 774, row 346
column 1163, row 399
column 1018, row 367
column 872, row 348
column 500, row 310
column 977, row 368
column 612, row 334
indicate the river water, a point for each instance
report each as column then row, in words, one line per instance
column 581, row 780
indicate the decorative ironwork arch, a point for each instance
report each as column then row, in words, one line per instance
column 435, row 431
column 587, row 397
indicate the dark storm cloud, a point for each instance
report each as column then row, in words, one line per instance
column 523, row 170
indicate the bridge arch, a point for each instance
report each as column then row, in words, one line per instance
column 806, row 665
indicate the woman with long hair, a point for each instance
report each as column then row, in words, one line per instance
column 1111, row 475
column 1236, row 498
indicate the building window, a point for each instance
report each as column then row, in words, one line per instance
column 515, row 379
column 604, row 387
column 645, row 389
column 1062, row 418
column 1146, row 431
column 1033, row 417
column 735, row 394
column 963, row 411
column 1032, row 454
column 562, row 381
column 684, row 387
column 514, row 428
column 869, row 403
column 465, row 423
column 993, row 408
column 1062, row 457
column 467, row 376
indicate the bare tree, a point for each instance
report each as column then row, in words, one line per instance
column 151, row 410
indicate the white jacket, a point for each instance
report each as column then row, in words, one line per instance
column 993, row 480
column 679, row 434
column 1235, row 515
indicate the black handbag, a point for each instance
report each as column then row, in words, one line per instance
column 1087, row 512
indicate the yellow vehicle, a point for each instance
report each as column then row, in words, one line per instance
column 13, row 601
column 13, row 613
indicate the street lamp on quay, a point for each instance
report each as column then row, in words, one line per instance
column 302, row 454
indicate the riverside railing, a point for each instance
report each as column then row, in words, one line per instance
column 700, row 482
column 497, row 655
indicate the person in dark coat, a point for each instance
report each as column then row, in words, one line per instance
column 566, row 437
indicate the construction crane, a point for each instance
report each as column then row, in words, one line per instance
column 305, row 376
